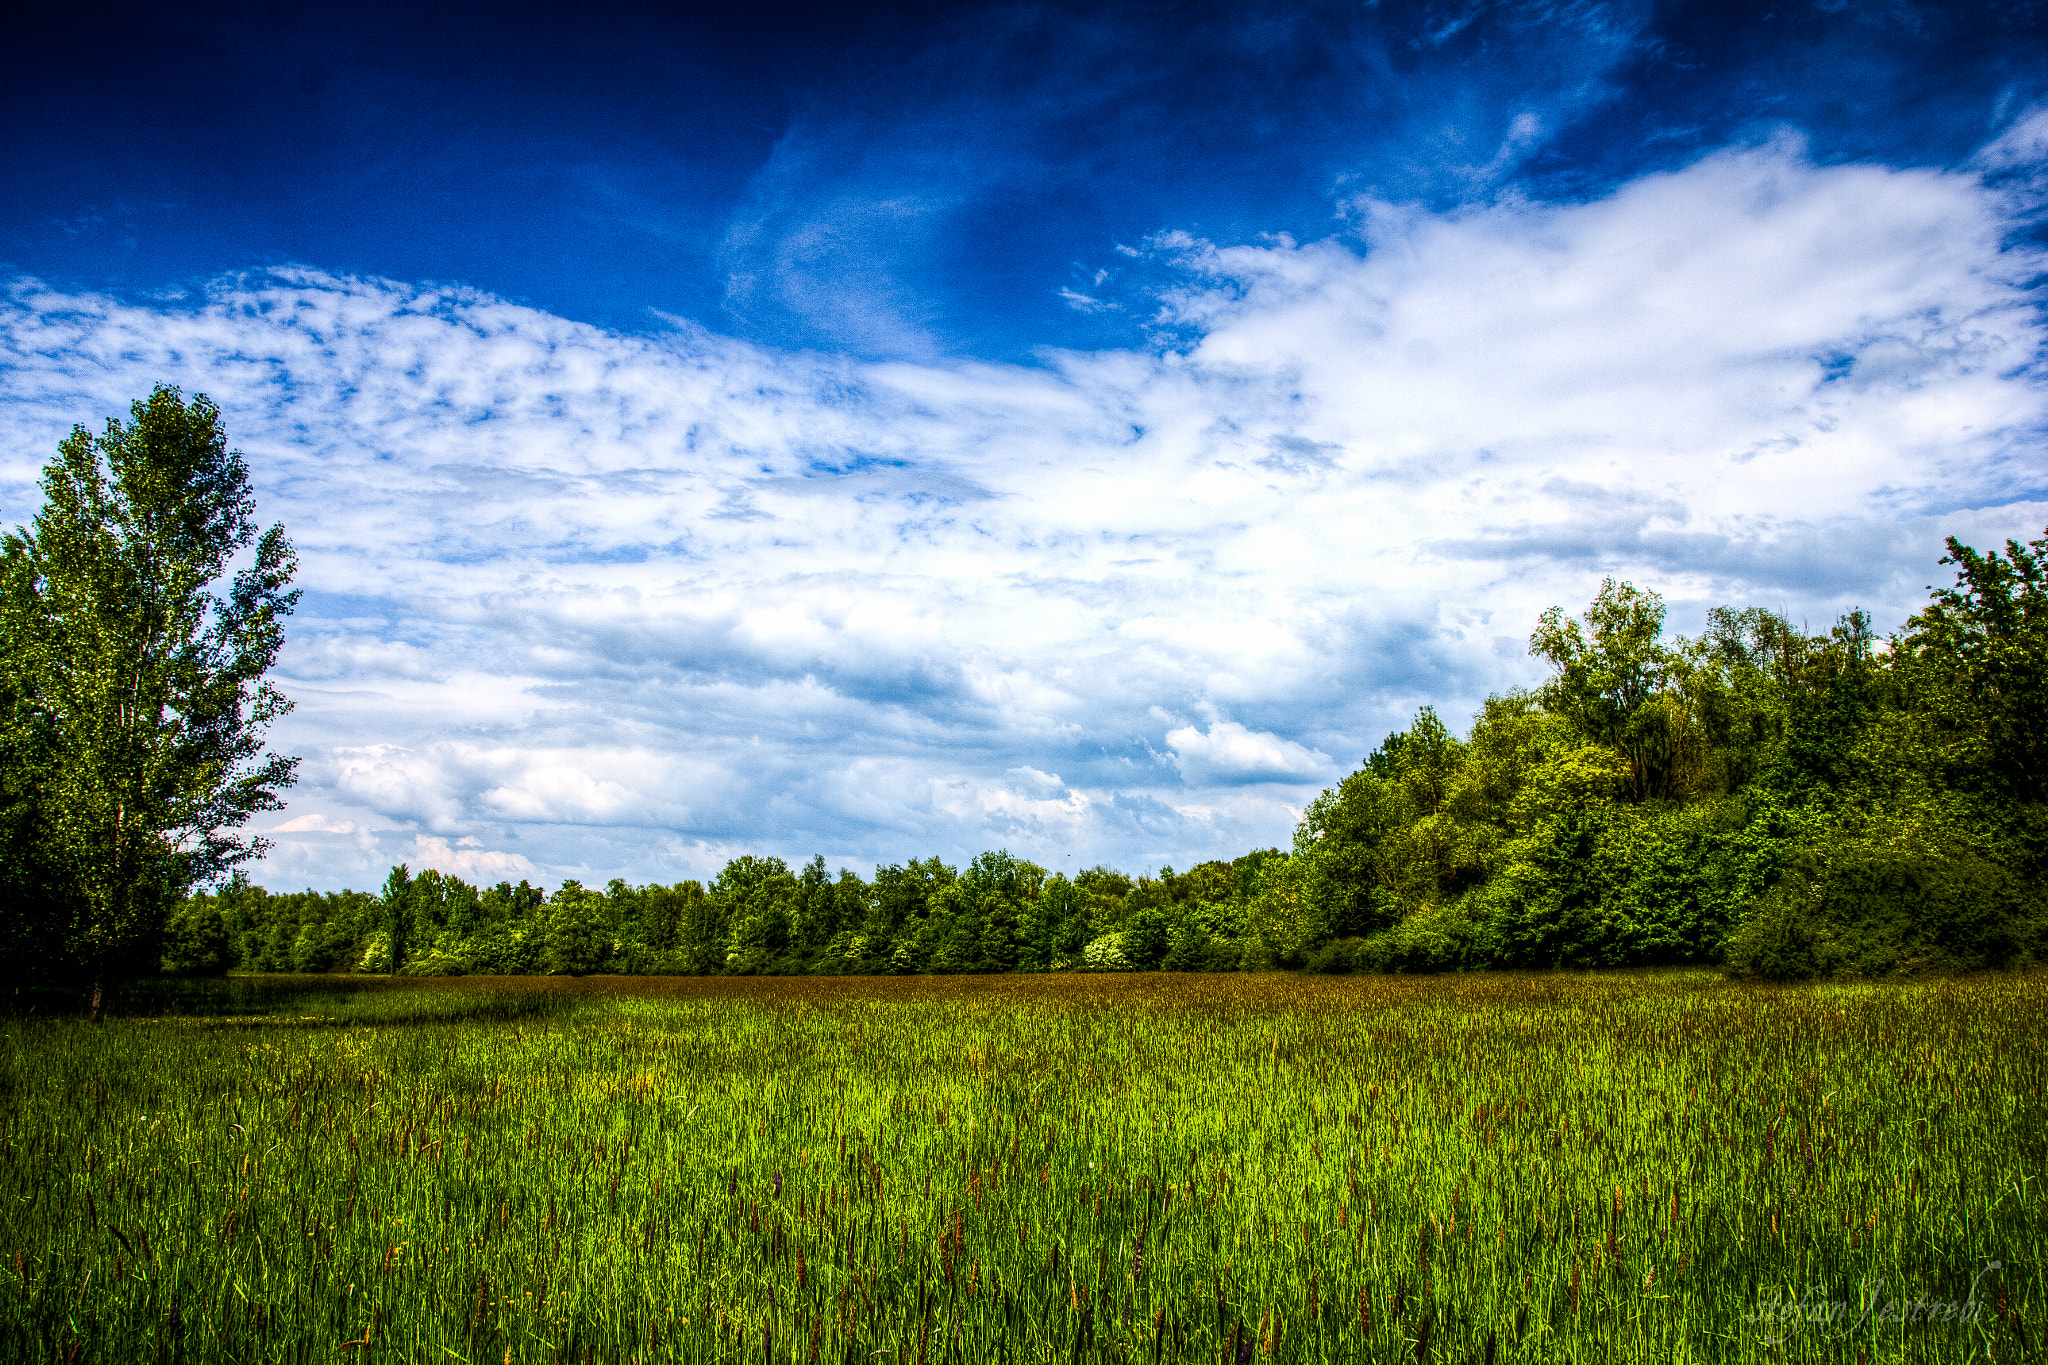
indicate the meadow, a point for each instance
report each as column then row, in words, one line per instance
column 1625, row 1166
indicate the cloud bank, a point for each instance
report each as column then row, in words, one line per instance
column 581, row 603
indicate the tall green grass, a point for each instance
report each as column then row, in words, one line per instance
column 1613, row 1167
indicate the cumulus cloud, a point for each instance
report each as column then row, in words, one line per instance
column 315, row 849
column 1229, row 753
column 468, row 859
column 638, row 602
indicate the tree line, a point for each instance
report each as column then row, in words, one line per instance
column 1783, row 803
column 758, row 915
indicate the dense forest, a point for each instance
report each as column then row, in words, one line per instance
column 1788, row 804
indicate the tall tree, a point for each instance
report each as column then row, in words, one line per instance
column 1611, row 676
column 398, row 917
column 137, row 684
column 1977, row 660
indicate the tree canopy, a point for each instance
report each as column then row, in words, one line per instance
column 133, row 686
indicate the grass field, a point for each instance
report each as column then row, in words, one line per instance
column 1623, row 1167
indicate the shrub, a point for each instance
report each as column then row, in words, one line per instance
column 1145, row 939
column 376, row 954
column 1787, row 937
column 196, row 941
column 578, row 946
column 1881, row 906
column 1435, row 938
column 1106, row 954
column 440, row 959
column 1241, row 955
column 1189, row 950
column 1334, row 958
column 322, row 947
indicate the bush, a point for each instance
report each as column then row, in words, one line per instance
column 1188, row 951
column 1787, row 937
column 1335, row 958
column 322, row 947
column 501, row 950
column 376, row 954
column 1864, row 910
column 1435, row 938
column 438, row 960
column 196, row 941
column 1106, row 954
column 578, row 947
column 1146, row 938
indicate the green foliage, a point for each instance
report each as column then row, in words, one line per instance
column 1644, row 805
column 1437, row 938
column 196, row 941
column 1335, row 958
column 132, row 693
column 1189, row 949
column 1145, row 938
column 579, row 933
column 397, row 900
column 1976, row 662
column 1001, row 914
column 1106, row 954
column 1789, row 804
column 1885, row 901
column 755, row 898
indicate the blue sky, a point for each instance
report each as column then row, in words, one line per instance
column 892, row 180
column 884, row 431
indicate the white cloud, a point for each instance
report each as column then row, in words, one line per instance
column 467, row 859
column 1228, row 753
column 313, row 847
column 639, row 602
column 315, row 824
column 2022, row 146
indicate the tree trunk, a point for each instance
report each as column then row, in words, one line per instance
column 99, row 991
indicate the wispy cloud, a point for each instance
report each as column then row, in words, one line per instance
column 587, row 604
